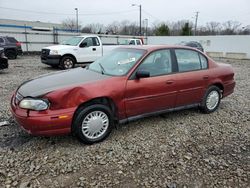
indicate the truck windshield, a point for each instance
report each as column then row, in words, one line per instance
column 73, row 41
column 118, row 62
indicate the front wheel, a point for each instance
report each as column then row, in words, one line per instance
column 211, row 100
column 67, row 62
column 93, row 123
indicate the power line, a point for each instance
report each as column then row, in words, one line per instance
column 150, row 15
column 71, row 14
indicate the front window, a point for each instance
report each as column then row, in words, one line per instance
column 73, row 41
column 118, row 62
column 157, row 63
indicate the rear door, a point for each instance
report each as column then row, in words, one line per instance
column 154, row 93
column 192, row 77
column 90, row 51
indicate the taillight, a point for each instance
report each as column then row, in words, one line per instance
column 18, row 44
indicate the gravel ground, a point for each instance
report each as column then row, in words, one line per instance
column 180, row 149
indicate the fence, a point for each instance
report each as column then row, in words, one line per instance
column 35, row 40
column 229, row 46
column 233, row 46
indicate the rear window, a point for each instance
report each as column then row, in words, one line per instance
column 12, row 40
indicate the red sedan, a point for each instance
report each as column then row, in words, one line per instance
column 127, row 84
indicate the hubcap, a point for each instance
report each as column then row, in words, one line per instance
column 68, row 63
column 212, row 100
column 95, row 124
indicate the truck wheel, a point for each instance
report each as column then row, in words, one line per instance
column 67, row 62
column 11, row 54
column 93, row 123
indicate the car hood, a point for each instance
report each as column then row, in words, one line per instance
column 46, row 83
column 60, row 47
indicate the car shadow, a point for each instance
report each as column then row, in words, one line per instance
column 21, row 139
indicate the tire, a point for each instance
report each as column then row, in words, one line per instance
column 11, row 54
column 67, row 62
column 93, row 123
column 211, row 100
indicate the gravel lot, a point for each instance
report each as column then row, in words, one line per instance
column 180, row 149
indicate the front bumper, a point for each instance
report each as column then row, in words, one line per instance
column 51, row 59
column 43, row 123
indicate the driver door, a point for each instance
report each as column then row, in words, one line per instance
column 89, row 50
column 156, row 92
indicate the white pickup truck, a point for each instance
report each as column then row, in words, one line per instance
column 79, row 49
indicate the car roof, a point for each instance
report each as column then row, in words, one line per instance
column 156, row 47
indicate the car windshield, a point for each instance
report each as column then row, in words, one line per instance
column 118, row 62
column 73, row 41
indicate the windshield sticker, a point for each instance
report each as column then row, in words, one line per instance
column 126, row 61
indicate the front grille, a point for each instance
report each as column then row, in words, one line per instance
column 18, row 98
column 45, row 52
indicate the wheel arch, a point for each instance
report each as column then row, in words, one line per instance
column 99, row 100
column 219, row 85
column 70, row 55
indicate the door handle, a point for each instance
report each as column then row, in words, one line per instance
column 170, row 82
column 205, row 77
column 94, row 49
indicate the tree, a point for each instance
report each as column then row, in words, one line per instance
column 70, row 24
column 113, row 28
column 86, row 29
column 162, row 30
column 186, row 30
column 213, row 28
column 230, row 27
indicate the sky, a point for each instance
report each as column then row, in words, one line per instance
column 108, row 11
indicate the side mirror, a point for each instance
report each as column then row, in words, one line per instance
column 142, row 74
column 83, row 45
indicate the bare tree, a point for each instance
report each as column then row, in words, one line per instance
column 70, row 24
column 86, row 29
column 230, row 27
column 113, row 28
column 213, row 28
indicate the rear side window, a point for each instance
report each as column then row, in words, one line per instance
column 1, row 40
column 138, row 42
column 132, row 42
column 12, row 40
column 203, row 62
column 189, row 60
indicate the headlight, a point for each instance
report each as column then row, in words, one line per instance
column 53, row 52
column 34, row 104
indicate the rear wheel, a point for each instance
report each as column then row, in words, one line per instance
column 211, row 100
column 93, row 123
column 11, row 54
column 67, row 62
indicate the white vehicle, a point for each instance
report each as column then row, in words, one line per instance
column 79, row 49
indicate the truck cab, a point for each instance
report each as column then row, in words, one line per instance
column 78, row 49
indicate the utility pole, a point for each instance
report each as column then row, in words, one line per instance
column 139, row 16
column 140, row 19
column 76, row 19
column 146, row 27
column 196, row 20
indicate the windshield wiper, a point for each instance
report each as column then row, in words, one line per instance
column 103, row 70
